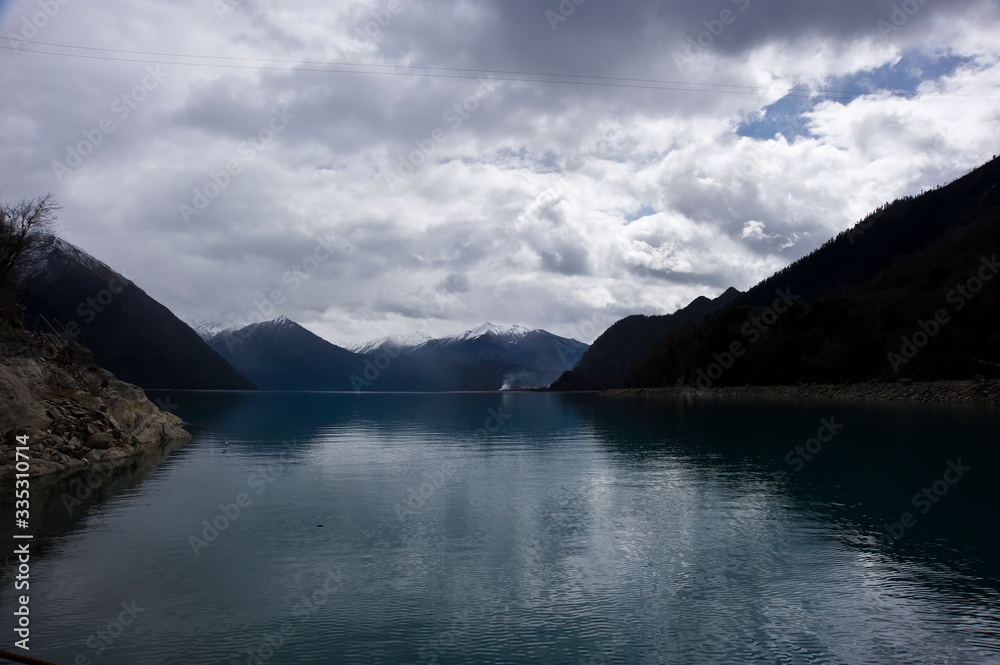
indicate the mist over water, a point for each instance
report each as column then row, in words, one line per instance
column 533, row 528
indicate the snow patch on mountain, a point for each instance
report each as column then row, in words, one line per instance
column 208, row 329
column 396, row 342
column 260, row 330
column 53, row 253
column 507, row 332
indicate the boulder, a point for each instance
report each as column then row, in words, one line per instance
column 100, row 441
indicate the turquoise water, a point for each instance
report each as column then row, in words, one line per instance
column 531, row 528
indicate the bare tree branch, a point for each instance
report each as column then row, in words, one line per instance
column 22, row 225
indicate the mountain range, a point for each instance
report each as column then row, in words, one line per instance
column 282, row 355
column 908, row 292
column 67, row 292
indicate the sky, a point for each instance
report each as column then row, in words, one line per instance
column 382, row 167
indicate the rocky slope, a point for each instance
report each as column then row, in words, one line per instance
column 74, row 413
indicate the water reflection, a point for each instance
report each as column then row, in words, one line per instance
column 535, row 528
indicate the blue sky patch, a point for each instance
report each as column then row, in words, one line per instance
column 643, row 211
column 785, row 116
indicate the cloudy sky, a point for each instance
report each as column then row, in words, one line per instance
column 385, row 166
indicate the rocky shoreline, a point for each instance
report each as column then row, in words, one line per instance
column 75, row 414
column 977, row 391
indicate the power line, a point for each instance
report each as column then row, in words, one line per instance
column 453, row 72
column 386, row 72
column 443, row 69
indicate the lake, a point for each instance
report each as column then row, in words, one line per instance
column 531, row 528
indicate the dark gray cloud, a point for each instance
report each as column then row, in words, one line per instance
column 485, row 191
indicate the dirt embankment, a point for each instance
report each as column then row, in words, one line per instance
column 979, row 391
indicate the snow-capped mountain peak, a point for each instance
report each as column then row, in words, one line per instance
column 401, row 342
column 407, row 343
column 279, row 323
column 510, row 332
column 207, row 329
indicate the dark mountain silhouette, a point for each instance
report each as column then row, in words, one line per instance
column 907, row 225
column 67, row 291
column 911, row 291
column 629, row 340
column 282, row 355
